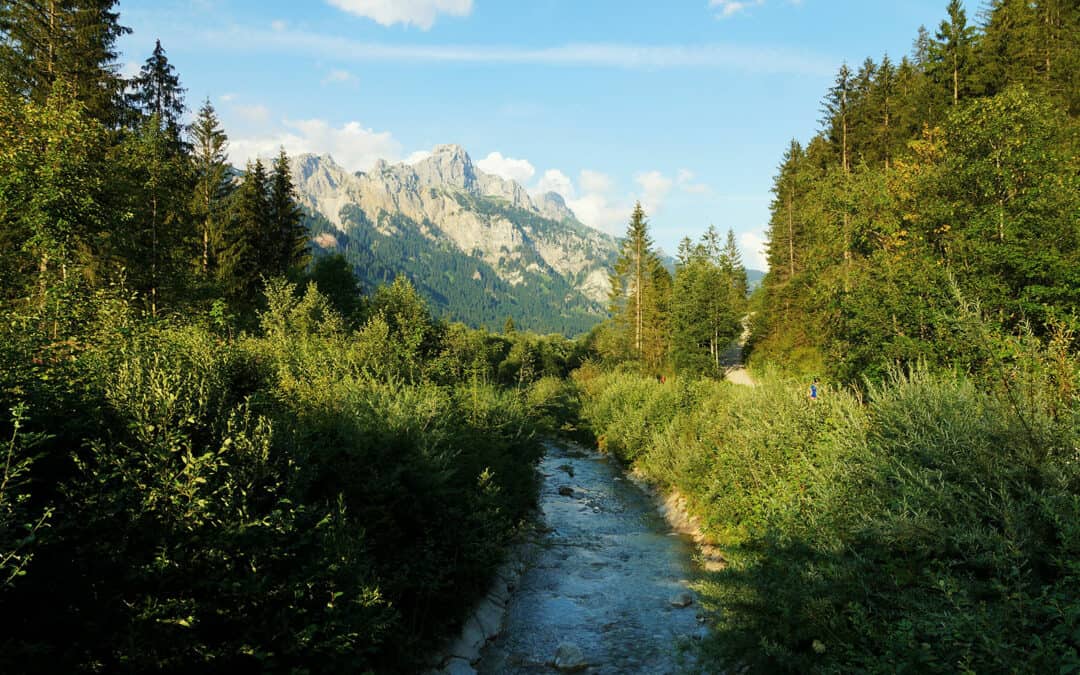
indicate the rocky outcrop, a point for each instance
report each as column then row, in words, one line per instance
column 553, row 206
column 480, row 214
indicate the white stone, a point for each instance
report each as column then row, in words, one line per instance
column 569, row 657
column 490, row 616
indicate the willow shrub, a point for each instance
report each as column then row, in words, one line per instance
column 267, row 504
column 933, row 528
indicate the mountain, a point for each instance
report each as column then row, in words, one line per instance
column 753, row 279
column 478, row 246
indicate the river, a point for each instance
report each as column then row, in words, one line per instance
column 603, row 578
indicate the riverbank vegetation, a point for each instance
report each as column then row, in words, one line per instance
column 928, row 526
column 921, row 515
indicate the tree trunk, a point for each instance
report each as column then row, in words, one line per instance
column 791, row 232
column 638, row 291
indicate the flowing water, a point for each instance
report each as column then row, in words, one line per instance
column 603, row 578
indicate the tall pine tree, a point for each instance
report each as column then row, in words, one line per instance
column 212, row 186
column 639, row 283
column 248, row 251
column 43, row 41
column 289, row 235
column 156, row 92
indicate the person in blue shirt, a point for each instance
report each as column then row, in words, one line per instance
column 814, row 390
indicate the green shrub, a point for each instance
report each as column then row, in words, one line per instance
column 299, row 500
column 932, row 529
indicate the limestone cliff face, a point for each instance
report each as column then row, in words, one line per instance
column 449, row 198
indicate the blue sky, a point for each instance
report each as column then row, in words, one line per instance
column 686, row 105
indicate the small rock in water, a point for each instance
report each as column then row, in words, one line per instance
column 568, row 469
column 459, row 667
column 682, row 599
column 566, row 491
column 569, row 657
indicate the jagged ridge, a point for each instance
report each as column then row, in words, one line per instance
column 532, row 245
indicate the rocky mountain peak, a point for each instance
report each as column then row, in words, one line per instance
column 449, row 166
column 552, row 205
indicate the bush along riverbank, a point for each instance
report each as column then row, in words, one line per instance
column 307, row 497
column 924, row 525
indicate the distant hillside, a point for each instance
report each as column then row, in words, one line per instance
column 478, row 247
column 753, row 278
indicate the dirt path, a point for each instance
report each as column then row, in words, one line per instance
column 732, row 360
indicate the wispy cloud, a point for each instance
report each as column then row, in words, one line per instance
column 684, row 178
column 753, row 244
column 339, row 77
column 729, row 8
column 420, row 13
column 733, row 57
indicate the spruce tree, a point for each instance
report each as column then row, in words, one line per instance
column 951, row 53
column 248, row 252
column 212, row 185
column 289, row 243
column 634, row 297
column 156, row 92
column 43, row 41
column 149, row 242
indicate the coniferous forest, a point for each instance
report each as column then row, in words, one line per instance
column 223, row 453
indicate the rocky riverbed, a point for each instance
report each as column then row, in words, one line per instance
column 607, row 589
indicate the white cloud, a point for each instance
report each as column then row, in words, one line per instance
column 519, row 170
column 421, row 13
column 554, row 180
column 352, row 145
column 594, row 181
column 417, row 156
column 279, row 25
column 752, row 245
column 730, row 8
column 732, row 57
column 253, row 114
column 595, row 204
column 339, row 77
column 655, row 187
column 684, row 179
column 226, row 98
column 130, row 69
column 597, row 210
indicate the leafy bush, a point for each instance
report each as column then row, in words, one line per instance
column 271, row 503
column 932, row 528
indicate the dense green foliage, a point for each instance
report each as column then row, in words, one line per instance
column 307, row 497
column 931, row 528
column 957, row 165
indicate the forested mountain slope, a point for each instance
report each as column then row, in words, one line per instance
column 478, row 247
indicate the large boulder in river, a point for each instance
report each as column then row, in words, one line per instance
column 569, row 658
